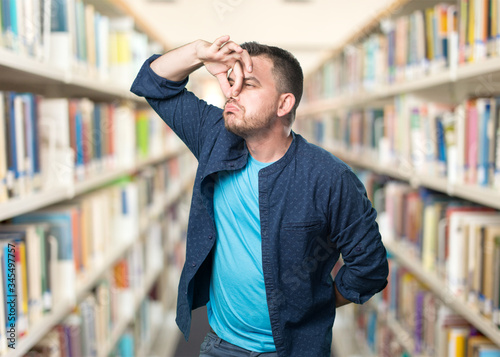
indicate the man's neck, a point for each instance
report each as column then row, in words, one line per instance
column 270, row 148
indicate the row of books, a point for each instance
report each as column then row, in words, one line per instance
column 456, row 240
column 25, row 25
column 433, row 328
column 64, row 244
column 87, row 331
column 73, row 36
column 460, row 143
column 408, row 320
column 158, row 184
column 408, row 47
column 60, row 246
column 48, row 142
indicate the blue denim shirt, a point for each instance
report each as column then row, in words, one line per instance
column 312, row 208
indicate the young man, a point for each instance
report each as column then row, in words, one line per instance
column 270, row 214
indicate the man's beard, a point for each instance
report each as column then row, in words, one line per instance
column 244, row 126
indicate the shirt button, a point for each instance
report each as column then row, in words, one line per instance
column 210, row 237
column 194, row 264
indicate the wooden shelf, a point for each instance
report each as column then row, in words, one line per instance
column 447, row 85
column 106, row 177
column 33, row 201
column 482, row 195
column 48, row 322
column 439, row 288
column 121, row 325
column 23, row 73
column 404, row 338
column 39, row 330
column 369, row 163
column 392, row 8
column 132, row 8
column 85, row 284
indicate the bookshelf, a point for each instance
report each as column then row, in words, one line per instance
column 481, row 195
column 87, row 281
column 413, row 69
column 18, row 73
column 17, row 206
column 447, row 84
column 402, row 336
column 123, row 323
column 436, row 285
column 133, row 9
column 146, row 153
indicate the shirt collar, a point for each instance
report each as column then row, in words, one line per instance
column 233, row 154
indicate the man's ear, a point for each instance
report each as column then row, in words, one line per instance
column 286, row 103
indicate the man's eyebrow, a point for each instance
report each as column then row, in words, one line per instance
column 247, row 79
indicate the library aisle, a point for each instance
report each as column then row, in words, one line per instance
column 95, row 189
column 411, row 102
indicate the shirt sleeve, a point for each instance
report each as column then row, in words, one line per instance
column 356, row 235
column 191, row 118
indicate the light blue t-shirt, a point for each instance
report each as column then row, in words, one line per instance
column 237, row 310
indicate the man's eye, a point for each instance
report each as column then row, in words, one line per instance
column 249, row 85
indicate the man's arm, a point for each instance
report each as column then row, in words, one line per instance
column 218, row 58
column 356, row 235
column 162, row 79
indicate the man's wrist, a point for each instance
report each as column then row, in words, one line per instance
column 199, row 47
column 178, row 63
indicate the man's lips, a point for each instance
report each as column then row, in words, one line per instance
column 231, row 107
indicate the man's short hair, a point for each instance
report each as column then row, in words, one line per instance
column 286, row 70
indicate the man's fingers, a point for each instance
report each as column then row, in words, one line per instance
column 238, row 79
column 242, row 55
column 224, row 84
column 231, row 47
column 230, row 54
column 224, row 46
column 219, row 42
column 246, row 61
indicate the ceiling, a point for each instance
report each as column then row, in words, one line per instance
column 307, row 28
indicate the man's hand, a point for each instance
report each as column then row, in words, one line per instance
column 220, row 57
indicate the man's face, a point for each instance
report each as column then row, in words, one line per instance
column 255, row 108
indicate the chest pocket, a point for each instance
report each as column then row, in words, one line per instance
column 304, row 226
column 304, row 254
column 300, row 237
